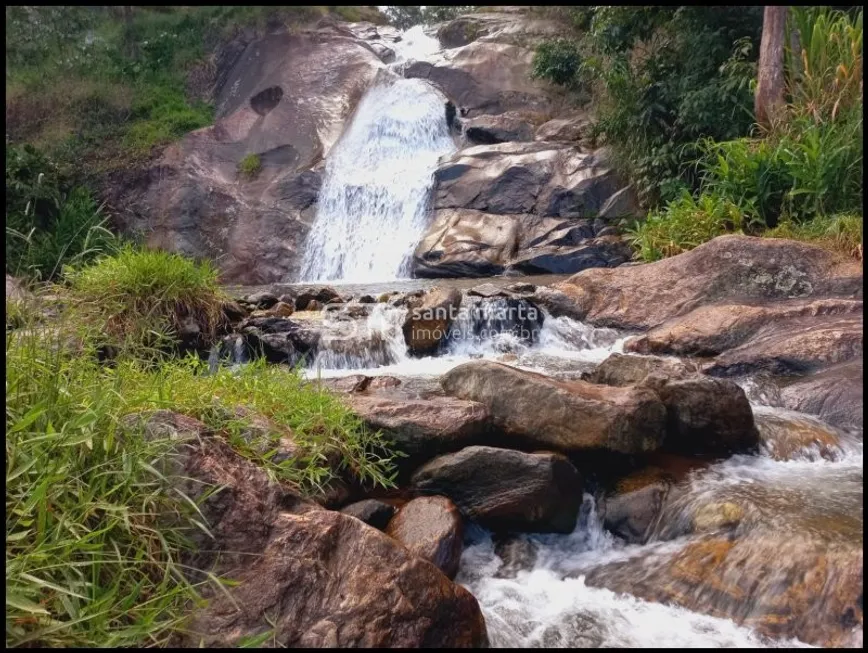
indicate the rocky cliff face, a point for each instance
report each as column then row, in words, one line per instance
column 523, row 192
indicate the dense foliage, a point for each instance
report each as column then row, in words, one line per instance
column 659, row 79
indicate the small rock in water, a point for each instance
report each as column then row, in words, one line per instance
column 367, row 299
column 715, row 516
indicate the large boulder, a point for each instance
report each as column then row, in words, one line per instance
column 564, row 415
column 546, row 179
column 328, row 580
column 835, row 395
column 421, row 427
column 431, row 528
column 270, row 103
column 504, row 489
column 795, row 346
column 782, row 585
column 703, row 415
column 727, row 268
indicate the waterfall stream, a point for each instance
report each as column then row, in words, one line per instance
column 373, row 207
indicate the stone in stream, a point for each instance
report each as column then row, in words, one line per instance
column 503, row 489
column 703, row 415
column 792, row 436
column 431, row 528
column 421, row 427
column 631, row 515
column 786, row 585
column 429, row 318
column 564, row 415
column 713, row 329
column 371, row 511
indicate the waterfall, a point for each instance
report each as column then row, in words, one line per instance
column 374, row 201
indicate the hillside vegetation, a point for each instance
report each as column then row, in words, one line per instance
column 672, row 89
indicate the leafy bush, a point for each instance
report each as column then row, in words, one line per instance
column 250, row 166
column 145, row 297
column 48, row 225
column 558, row 61
column 405, row 17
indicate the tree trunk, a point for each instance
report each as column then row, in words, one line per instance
column 769, row 99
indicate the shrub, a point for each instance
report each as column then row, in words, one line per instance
column 557, row 61
column 147, row 297
column 250, row 166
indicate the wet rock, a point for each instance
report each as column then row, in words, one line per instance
column 384, row 382
column 564, row 415
column 280, row 309
column 322, row 296
column 835, row 395
column 504, row 489
column 793, row 436
column 429, row 318
column 422, row 428
column 783, row 585
column 461, row 31
column 190, row 200
column 717, row 516
column 371, row 511
column 431, row 528
column 705, row 416
column 631, row 515
column 367, row 299
column 233, row 311
column 349, row 383
column 278, row 340
column 335, row 582
column 518, row 554
column 488, row 129
column 726, row 268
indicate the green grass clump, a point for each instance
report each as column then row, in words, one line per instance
column 684, row 224
column 842, row 233
column 140, row 296
column 250, row 166
column 89, row 560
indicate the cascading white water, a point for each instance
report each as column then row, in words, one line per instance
column 373, row 207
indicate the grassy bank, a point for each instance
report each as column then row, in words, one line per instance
column 92, row 557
